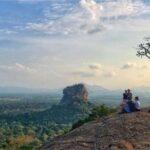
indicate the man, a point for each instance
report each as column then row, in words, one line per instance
column 125, row 95
column 124, row 104
column 129, row 95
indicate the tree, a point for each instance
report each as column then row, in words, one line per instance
column 97, row 112
column 144, row 48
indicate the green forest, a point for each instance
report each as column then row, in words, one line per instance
column 26, row 123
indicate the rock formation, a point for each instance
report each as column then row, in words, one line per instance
column 75, row 93
column 116, row 132
column 73, row 106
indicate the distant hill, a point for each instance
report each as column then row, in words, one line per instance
column 18, row 90
column 93, row 90
column 116, row 132
column 24, row 90
column 142, row 90
column 96, row 90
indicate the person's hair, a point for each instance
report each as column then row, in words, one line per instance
column 136, row 98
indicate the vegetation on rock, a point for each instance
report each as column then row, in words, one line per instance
column 114, row 132
column 97, row 112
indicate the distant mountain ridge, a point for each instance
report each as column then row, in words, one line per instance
column 25, row 90
column 15, row 89
column 96, row 89
column 93, row 90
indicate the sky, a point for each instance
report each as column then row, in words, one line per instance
column 53, row 43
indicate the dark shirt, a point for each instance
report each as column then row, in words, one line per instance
column 125, row 96
column 129, row 96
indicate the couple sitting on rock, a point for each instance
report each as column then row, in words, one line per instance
column 128, row 105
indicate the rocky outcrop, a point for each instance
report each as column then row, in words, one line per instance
column 73, row 106
column 116, row 132
column 75, row 93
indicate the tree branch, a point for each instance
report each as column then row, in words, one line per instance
column 144, row 49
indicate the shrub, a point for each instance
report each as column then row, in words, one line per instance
column 97, row 112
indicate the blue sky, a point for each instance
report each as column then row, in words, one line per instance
column 53, row 43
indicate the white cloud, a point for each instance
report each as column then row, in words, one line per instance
column 25, row 68
column 109, row 74
column 129, row 65
column 134, row 65
column 93, row 7
column 17, row 67
column 83, row 74
column 95, row 70
column 95, row 66
column 90, row 17
column 120, row 8
column 7, row 32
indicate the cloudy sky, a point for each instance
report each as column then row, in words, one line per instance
column 54, row 43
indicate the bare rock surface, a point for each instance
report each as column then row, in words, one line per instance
column 74, row 93
column 116, row 132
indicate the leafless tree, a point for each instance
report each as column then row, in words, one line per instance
column 144, row 48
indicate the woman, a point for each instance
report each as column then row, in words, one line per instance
column 124, row 105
